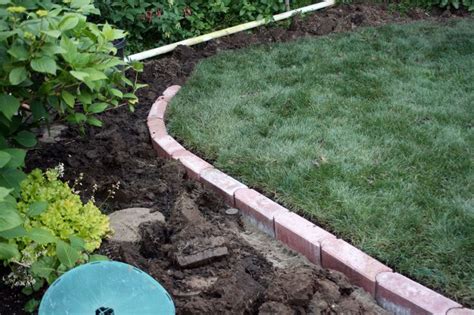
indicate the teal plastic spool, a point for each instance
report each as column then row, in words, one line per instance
column 106, row 288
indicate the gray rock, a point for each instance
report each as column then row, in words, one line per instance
column 125, row 223
column 53, row 134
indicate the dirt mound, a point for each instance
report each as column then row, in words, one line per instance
column 201, row 258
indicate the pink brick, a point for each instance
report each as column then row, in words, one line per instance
column 156, row 127
column 158, row 109
column 301, row 235
column 258, row 209
column 193, row 164
column 221, row 183
column 359, row 267
column 460, row 311
column 165, row 146
column 401, row 295
column 170, row 92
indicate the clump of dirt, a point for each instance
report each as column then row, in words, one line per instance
column 202, row 258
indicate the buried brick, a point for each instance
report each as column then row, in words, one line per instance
column 360, row 268
column 401, row 295
column 258, row 209
column 221, row 183
column 301, row 235
column 201, row 251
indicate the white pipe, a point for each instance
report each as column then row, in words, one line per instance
column 227, row 31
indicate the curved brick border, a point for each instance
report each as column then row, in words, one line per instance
column 392, row 291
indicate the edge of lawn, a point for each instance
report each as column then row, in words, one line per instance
column 391, row 290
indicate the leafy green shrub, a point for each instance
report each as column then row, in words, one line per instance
column 468, row 4
column 58, row 231
column 163, row 22
column 56, row 65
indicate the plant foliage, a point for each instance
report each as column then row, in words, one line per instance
column 56, row 65
column 160, row 22
column 56, row 231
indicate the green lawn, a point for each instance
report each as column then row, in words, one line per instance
column 369, row 133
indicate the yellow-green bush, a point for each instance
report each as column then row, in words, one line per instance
column 58, row 232
column 65, row 214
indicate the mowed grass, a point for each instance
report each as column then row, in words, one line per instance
column 369, row 133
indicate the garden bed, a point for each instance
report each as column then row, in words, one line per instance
column 121, row 152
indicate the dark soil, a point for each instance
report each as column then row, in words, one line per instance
column 242, row 281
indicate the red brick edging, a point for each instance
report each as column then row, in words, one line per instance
column 392, row 291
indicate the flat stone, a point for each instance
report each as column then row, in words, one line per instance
column 53, row 134
column 125, row 223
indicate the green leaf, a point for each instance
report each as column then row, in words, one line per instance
column 44, row 266
column 19, row 52
column 26, row 139
column 4, row 158
column 68, row 98
column 68, row 22
column 97, row 108
column 11, row 178
column 17, row 157
column 52, row 33
column 116, row 92
column 36, row 208
column 77, row 4
column 18, row 75
column 38, row 285
column 38, row 111
column 93, row 258
column 110, row 33
column 77, row 242
column 31, row 305
column 44, row 64
column 95, row 75
column 77, row 118
column 79, row 75
column 94, row 122
column 6, row 35
column 67, row 255
column 18, row 231
column 41, row 236
column 9, row 105
column 27, row 290
column 9, row 217
column 8, row 251
column 4, row 192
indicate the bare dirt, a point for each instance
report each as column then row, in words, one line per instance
column 210, row 262
column 215, row 263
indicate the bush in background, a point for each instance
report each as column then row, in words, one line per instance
column 155, row 23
